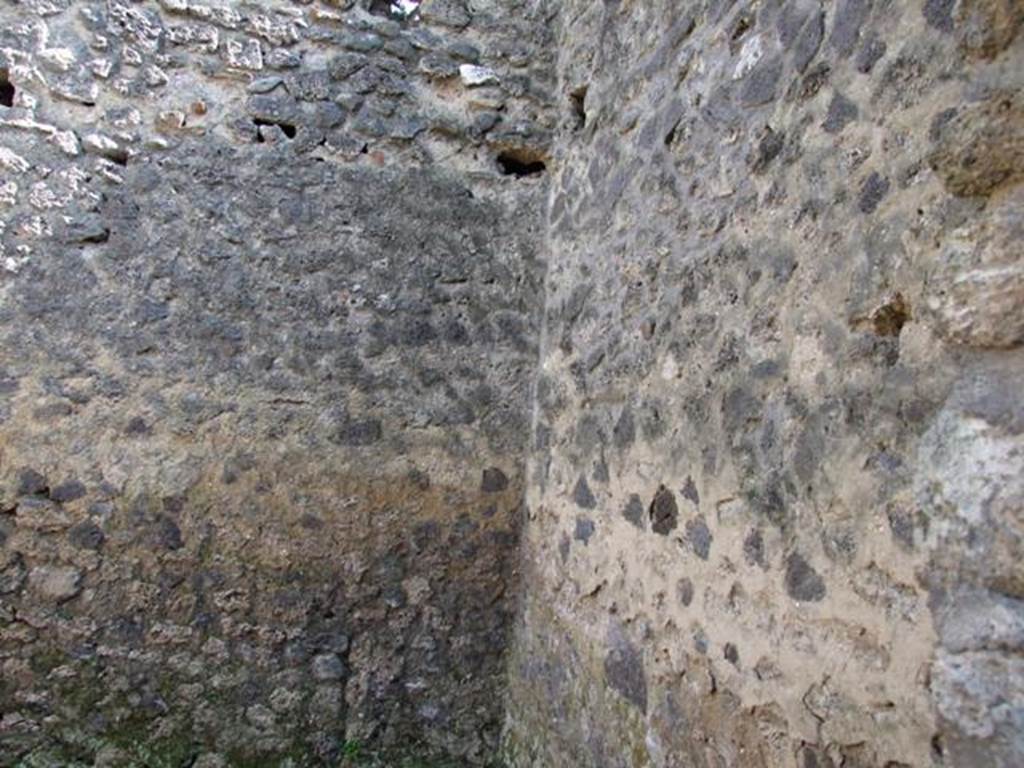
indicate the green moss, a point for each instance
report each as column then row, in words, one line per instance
column 45, row 660
column 132, row 738
column 50, row 758
column 77, row 749
column 171, row 752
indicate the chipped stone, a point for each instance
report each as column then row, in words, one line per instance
column 55, row 583
column 473, row 75
column 981, row 147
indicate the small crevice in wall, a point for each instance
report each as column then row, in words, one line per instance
column 670, row 137
column 6, row 89
column 520, row 163
column 287, row 129
column 743, row 25
column 578, row 99
column 118, row 156
column 889, row 319
column 393, row 9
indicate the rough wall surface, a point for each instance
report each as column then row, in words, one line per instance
column 268, row 320
column 270, row 302
column 775, row 496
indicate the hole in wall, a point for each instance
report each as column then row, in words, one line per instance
column 6, row 89
column 578, row 100
column 889, row 319
column 670, row 137
column 938, row 748
column 287, row 129
column 118, row 156
column 743, row 25
column 394, row 9
column 520, row 163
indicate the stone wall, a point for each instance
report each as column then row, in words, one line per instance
column 278, row 366
column 269, row 299
column 777, row 474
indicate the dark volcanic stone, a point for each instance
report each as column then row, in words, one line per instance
column 664, row 512
column 841, row 112
column 564, row 545
column 364, row 42
column 359, row 433
column 685, row 591
column 32, row 483
column 869, row 54
column 168, row 534
column 86, row 229
column 699, row 536
column 790, row 22
column 939, row 14
column 732, row 654
column 624, row 433
column 768, row 148
column 86, row 535
column 901, row 523
column 69, row 491
column 809, row 42
column 849, row 19
column 690, row 492
column 634, row 511
column 345, row 64
column 875, row 188
column 802, row 581
column 753, row 548
column 582, row 495
column 759, row 86
column 584, row 529
column 700, row 641
column 327, row 667
column 493, row 481
column 624, row 670
column 137, row 427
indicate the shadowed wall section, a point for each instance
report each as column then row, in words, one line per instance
column 268, row 322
